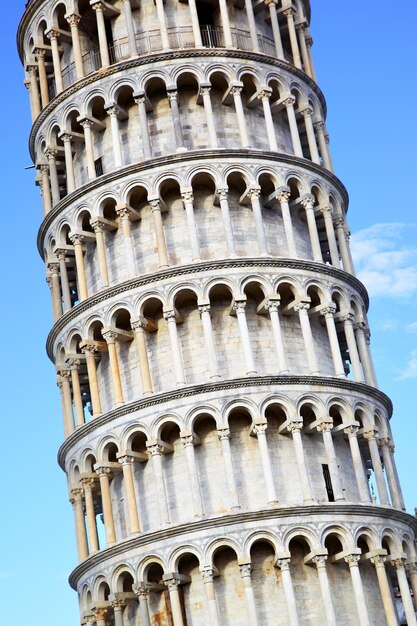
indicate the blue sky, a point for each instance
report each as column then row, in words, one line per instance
column 365, row 59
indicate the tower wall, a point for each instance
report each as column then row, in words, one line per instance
column 228, row 452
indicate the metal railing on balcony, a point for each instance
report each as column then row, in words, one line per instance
column 179, row 38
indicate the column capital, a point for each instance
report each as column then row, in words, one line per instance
column 236, row 90
column 301, row 306
column 223, row 193
column 264, row 93
column 295, row 426
column 254, row 192
column 259, row 429
column 126, row 459
column 239, row 306
column 40, row 53
column 73, row 363
column 327, row 210
column 273, row 305
column 188, row 441
column 283, row 194
column 325, row 426
column 204, row 308
column 384, row 442
column 378, row 560
column 172, row 95
column 118, row 603
column 101, row 613
column 187, row 196
column 113, row 110
column 308, row 201
column 109, row 336
column 372, row 433
column 349, row 318
column 306, row 112
column 351, row 430
column 270, row 2
column 283, row 563
column 53, row 34
column 245, row 570
column 73, row 19
column 398, row 563
column 205, row 90
column 97, row 225
column 155, row 449
column 319, row 560
column 76, row 495
column 53, row 267
column 289, row 101
column 155, row 204
column 139, row 324
column 51, row 153
column 207, row 574
column 102, row 470
column 289, row 12
column 169, row 315
column 89, row 349
column 97, row 5
column 223, row 433
column 328, row 311
column 352, row 559
column 319, row 124
column 77, row 239
column 123, row 211
column 86, row 123
column 87, row 481
column 411, row 568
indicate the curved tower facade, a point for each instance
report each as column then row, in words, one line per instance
column 228, row 452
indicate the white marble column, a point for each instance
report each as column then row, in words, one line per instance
column 311, row 138
column 326, row 429
column 74, row 365
column 73, row 20
column 326, row 161
column 289, row 14
column 110, row 337
column 224, row 17
column 236, row 91
column 358, row 466
column 89, row 149
column 360, row 600
column 227, row 223
column 309, row 43
column 162, row 24
column 195, row 23
column 283, row 196
column 118, row 607
column 139, row 327
column 264, row 95
column 328, row 314
column 156, row 451
column 140, row 100
column 88, row 484
column 307, row 203
column 239, row 308
column 343, row 245
column 43, row 79
column 272, row 5
column 127, row 9
column 224, row 437
column 188, row 200
column 176, row 119
column 90, row 351
column 99, row 8
column 155, row 205
column 46, row 189
column 127, row 462
column 34, row 91
column 371, row 436
column 405, row 592
column 260, row 431
column 284, row 566
column 394, row 486
column 205, row 94
column 179, row 373
column 63, row 377
column 54, row 271
column 327, row 212
column 326, row 594
column 273, row 309
column 53, row 36
column 302, row 309
column 390, row 613
column 104, row 476
column 213, row 366
column 77, row 241
column 98, row 228
column 51, row 155
column 295, row 428
column 188, row 442
column 301, row 30
column 123, row 211
column 113, row 112
column 245, row 573
column 254, row 194
column 207, row 574
column 69, row 166
column 76, row 499
column 142, row 591
column 368, row 370
column 292, row 121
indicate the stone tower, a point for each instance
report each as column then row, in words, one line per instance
column 228, row 452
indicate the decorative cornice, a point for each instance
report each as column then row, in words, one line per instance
column 196, row 268
column 185, row 157
column 328, row 510
column 217, row 387
column 165, row 57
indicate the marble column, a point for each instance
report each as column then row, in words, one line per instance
column 90, row 350
column 143, row 121
column 43, row 79
column 88, row 484
column 295, row 428
column 113, row 112
column 74, row 365
column 104, row 476
column 327, row 212
column 139, row 327
column 73, row 21
column 207, row 574
column 188, row 442
column 77, row 241
column 99, row 8
column 302, row 309
column 176, row 119
column 292, row 121
column 239, row 308
column 46, row 189
column 264, row 96
column 307, row 203
column 162, row 24
column 204, row 310
column 358, row 466
column 390, row 613
column 371, row 437
column 53, row 36
column 76, row 499
column 260, row 431
column 127, row 462
column 51, row 155
column 236, row 91
column 155, row 451
column 224, row 17
column 155, row 205
column 98, row 228
column 405, row 592
column 348, row 320
column 227, row 223
column 110, row 337
column 326, row 429
column 311, row 138
column 224, row 437
column 89, row 149
column 188, row 200
column 273, row 309
column 284, row 566
column 69, row 166
column 179, row 373
column 245, row 573
column 127, row 9
column 205, row 94
column 254, row 194
column 360, row 600
column 283, row 197
column 272, row 5
column 328, row 314
column 123, row 211
column 301, row 30
column 289, row 14
column 326, row 594
column 394, row 487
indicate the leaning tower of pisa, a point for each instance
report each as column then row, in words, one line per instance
column 228, row 452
